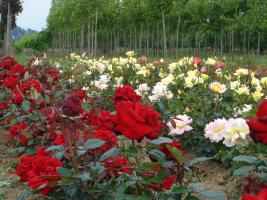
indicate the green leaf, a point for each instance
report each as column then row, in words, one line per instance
column 81, row 152
column 24, row 195
column 161, row 140
column 177, row 153
column 243, row 170
column 59, row 93
column 93, row 144
column 64, row 172
column 84, row 177
column 111, row 152
column 181, row 189
column 54, row 148
column 244, row 158
column 25, row 106
column 199, row 159
column 26, row 134
column 191, row 198
column 157, row 154
column 85, row 106
column 32, row 117
column 213, row 195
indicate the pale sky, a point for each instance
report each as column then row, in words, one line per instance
column 34, row 14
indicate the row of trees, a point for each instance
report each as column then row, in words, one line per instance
column 9, row 9
column 158, row 27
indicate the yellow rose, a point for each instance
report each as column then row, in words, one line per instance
column 257, row 95
column 218, row 87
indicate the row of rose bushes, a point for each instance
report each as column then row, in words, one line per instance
column 183, row 92
column 76, row 145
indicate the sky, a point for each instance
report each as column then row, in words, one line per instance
column 34, row 14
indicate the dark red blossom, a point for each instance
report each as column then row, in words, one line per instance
column 135, row 120
column 40, row 171
column 125, row 93
column 72, row 106
column 52, row 73
column 3, row 76
column 17, row 95
column 262, row 195
column 106, row 135
column 34, row 84
column 168, row 182
column 18, row 132
column 80, row 93
column 60, row 140
column 11, row 82
column 101, row 119
column 18, row 70
column 116, row 165
column 8, row 63
column 258, row 124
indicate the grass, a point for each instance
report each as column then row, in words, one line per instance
column 242, row 60
column 23, row 59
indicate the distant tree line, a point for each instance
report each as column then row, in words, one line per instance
column 9, row 9
column 157, row 27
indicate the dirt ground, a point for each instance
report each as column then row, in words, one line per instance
column 215, row 177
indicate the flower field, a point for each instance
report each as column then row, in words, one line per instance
column 124, row 127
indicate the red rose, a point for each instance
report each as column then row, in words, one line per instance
column 48, row 113
column 60, row 140
column 52, row 73
column 8, row 62
column 136, row 120
column 72, row 106
column 24, row 167
column 101, row 119
column 3, row 106
column 16, row 96
column 81, row 94
column 125, row 93
column 262, row 195
column 196, row 61
column 3, row 76
column 106, row 135
column 11, row 82
column 258, row 124
column 168, row 154
column 34, row 84
column 18, row 70
column 168, row 182
column 40, row 171
column 116, row 165
column 17, row 131
column 262, row 111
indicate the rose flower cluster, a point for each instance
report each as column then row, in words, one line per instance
column 57, row 133
column 258, row 124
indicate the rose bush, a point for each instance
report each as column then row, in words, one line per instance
column 121, row 125
column 72, row 147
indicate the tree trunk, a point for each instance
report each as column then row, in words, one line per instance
column 7, row 36
column 96, row 20
column 164, row 34
column 221, row 39
column 259, row 42
column 177, row 33
column 140, row 37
